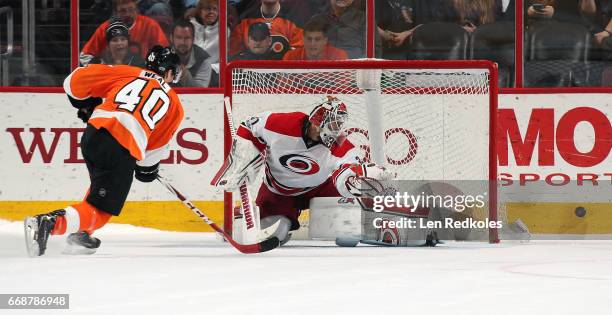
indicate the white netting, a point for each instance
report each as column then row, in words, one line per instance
column 434, row 122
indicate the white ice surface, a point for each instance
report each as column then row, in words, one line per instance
column 145, row 271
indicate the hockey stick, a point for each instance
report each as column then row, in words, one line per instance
column 264, row 246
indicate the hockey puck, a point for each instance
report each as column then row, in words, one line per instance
column 347, row 241
column 580, row 212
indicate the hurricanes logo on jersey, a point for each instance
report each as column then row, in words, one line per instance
column 299, row 164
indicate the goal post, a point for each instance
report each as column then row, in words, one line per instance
column 425, row 120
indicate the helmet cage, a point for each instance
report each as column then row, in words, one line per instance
column 331, row 117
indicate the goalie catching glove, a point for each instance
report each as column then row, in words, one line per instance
column 241, row 166
column 362, row 180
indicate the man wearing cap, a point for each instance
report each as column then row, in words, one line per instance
column 144, row 32
column 118, row 52
column 285, row 33
column 259, row 45
column 194, row 60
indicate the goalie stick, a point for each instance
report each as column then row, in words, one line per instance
column 264, row 246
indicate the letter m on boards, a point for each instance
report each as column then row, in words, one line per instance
column 540, row 127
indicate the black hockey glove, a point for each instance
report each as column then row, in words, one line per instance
column 84, row 113
column 146, row 174
column 85, row 107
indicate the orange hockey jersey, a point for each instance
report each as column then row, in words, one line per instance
column 140, row 109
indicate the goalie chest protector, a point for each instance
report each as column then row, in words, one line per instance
column 292, row 166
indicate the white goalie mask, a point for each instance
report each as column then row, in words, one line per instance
column 330, row 116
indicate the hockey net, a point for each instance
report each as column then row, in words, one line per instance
column 425, row 120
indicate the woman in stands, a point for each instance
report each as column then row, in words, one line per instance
column 205, row 20
column 473, row 13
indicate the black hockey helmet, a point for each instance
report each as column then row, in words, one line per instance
column 161, row 59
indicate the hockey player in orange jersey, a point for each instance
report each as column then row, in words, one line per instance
column 127, row 135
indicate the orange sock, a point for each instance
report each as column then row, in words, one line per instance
column 60, row 226
column 81, row 217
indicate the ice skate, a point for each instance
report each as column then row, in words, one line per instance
column 37, row 230
column 81, row 243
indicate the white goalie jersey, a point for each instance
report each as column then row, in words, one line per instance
column 293, row 163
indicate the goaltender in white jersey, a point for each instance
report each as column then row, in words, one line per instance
column 305, row 156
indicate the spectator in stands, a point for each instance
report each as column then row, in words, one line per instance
column 194, row 60
column 473, row 13
column 394, row 24
column 347, row 26
column 316, row 46
column 467, row 13
column 600, row 17
column 259, row 45
column 118, row 52
column 144, row 32
column 505, row 10
column 539, row 10
column 285, row 33
column 569, row 11
column 205, row 20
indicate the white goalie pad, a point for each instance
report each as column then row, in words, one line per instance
column 333, row 217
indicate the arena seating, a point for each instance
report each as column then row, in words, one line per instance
column 438, row 41
column 557, row 55
column 495, row 42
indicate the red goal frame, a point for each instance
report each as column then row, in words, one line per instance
column 380, row 64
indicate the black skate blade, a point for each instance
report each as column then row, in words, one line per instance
column 30, row 228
